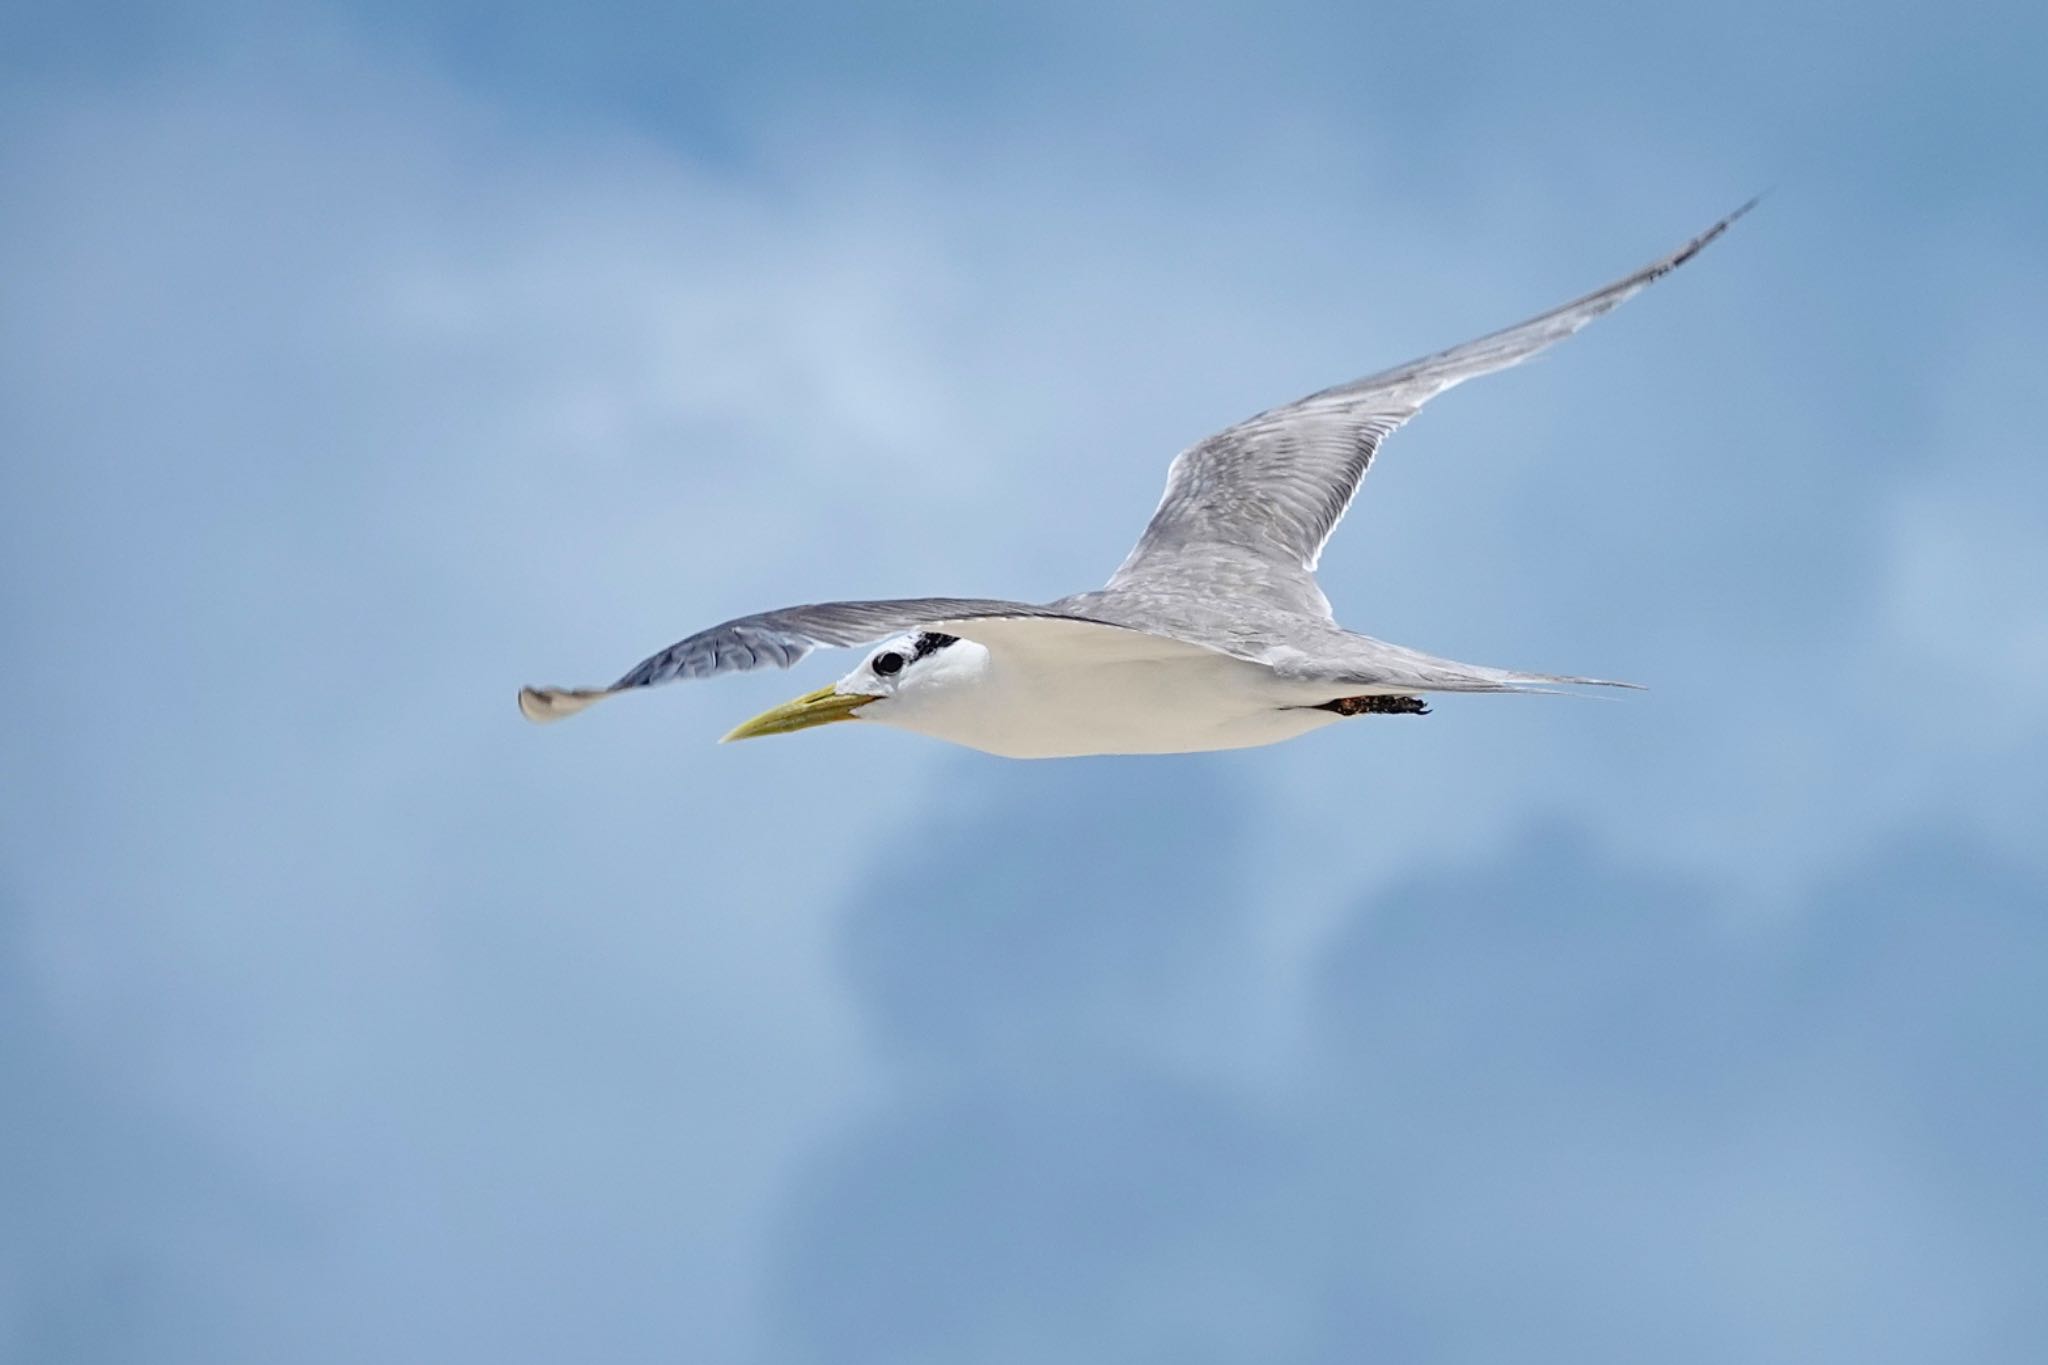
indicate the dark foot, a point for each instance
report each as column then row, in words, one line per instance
column 1377, row 706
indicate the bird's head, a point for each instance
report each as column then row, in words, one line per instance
column 897, row 681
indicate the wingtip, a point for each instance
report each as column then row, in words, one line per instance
column 1699, row 243
column 545, row 705
column 1748, row 204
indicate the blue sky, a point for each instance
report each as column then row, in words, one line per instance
column 361, row 363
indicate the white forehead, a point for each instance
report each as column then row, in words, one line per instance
column 924, row 654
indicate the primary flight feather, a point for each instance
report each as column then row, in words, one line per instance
column 1212, row 634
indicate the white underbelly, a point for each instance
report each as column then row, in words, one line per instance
column 1148, row 706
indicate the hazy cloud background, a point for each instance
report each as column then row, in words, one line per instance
column 359, row 363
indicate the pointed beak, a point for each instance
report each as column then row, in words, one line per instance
column 821, row 707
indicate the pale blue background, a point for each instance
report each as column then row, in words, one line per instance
column 359, row 363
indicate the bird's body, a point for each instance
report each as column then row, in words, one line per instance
column 1211, row 635
column 1057, row 689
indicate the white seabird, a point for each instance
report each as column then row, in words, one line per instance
column 1211, row 635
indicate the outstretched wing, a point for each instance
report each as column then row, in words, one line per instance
column 1271, row 489
column 776, row 639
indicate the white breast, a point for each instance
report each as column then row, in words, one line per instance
column 1037, row 688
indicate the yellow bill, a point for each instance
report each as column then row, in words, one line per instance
column 821, row 707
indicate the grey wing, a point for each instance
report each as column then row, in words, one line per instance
column 774, row 639
column 1253, row 505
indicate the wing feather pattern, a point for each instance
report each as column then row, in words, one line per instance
column 777, row 639
column 1272, row 488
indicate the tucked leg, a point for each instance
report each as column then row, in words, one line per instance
column 1377, row 706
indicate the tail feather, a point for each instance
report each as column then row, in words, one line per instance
column 1474, row 678
column 1380, row 667
column 1552, row 681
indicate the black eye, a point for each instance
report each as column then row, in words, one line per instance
column 888, row 662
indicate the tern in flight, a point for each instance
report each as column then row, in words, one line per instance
column 1212, row 634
